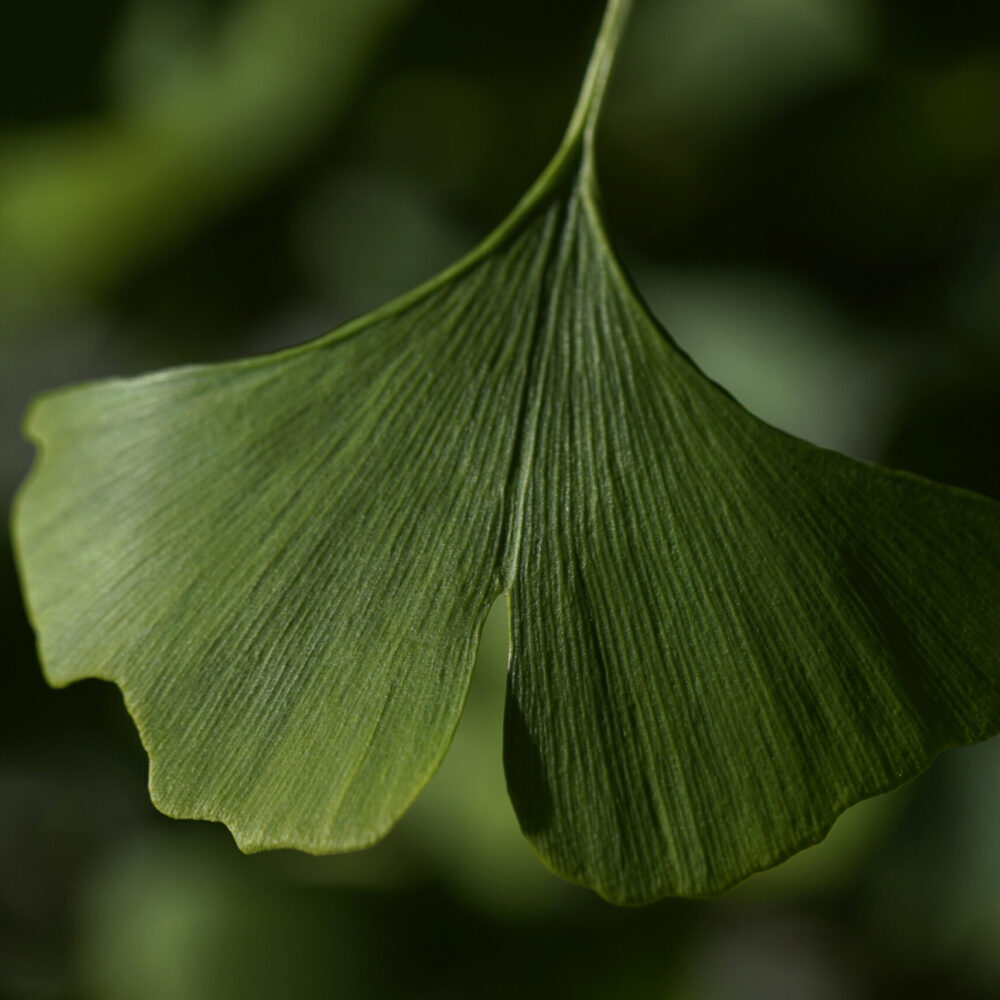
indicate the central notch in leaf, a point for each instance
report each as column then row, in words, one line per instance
column 721, row 636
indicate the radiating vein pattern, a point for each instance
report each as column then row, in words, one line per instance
column 285, row 562
column 721, row 636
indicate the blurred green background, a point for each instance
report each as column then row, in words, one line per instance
column 808, row 194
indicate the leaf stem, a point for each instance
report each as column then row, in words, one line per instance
column 574, row 157
column 588, row 107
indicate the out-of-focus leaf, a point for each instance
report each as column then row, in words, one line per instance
column 179, row 919
column 935, row 899
column 363, row 239
column 721, row 636
column 715, row 67
column 83, row 202
column 785, row 353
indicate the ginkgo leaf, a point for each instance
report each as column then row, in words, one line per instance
column 721, row 636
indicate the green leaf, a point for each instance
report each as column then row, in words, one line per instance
column 721, row 636
column 82, row 202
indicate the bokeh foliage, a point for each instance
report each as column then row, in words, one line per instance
column 824, row 168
